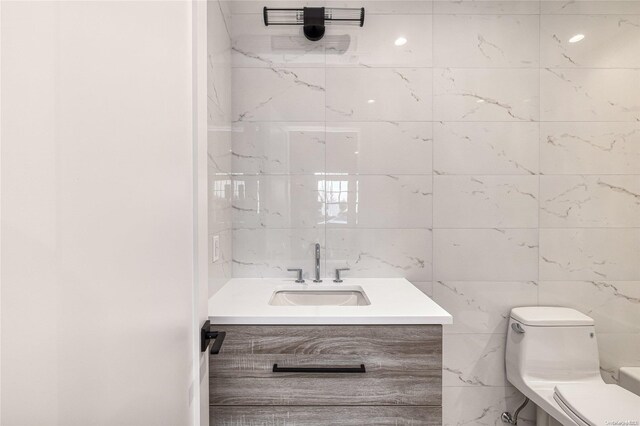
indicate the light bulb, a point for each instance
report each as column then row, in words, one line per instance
column 576, row 38
column 400, row 41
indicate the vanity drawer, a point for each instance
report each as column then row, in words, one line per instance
column 402, row 363
column 323, row 416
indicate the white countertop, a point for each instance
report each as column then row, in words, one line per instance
column 393, row 301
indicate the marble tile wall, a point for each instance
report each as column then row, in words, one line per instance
column 219, row 139
column 488, row 160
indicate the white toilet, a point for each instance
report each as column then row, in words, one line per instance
column 552, row 358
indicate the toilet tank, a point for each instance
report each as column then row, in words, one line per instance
column 551, row 344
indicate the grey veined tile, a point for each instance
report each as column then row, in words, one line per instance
column 274, row 94
column 509, row 41
column 379, row 94
column 384, row 41
column 379, row 253
column 485, row 148
column 473, row 360
column 614, row 305
column 261, row 253
column 485, row 202
column 372, row 201
column 485, row 254
column 482, row 306
column 590, row 148
column 379, row 147
column 607, row 41
column 278, row 201
column 482, row 406
column 589, row 201
column 589, row 254
column 590, row 94
column 257, row 45
column 278, row 147
column 486, row 94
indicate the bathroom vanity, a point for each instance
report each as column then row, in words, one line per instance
column 363, row 351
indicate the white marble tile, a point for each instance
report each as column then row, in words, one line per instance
column 255, row 6
column 279, row 147
column 261, row 253
column 219, row 189
column 589, row 201
column 590, row 94
column 617, row 350
column 257, row 45
column 485, row 148
column 219, row 94
column 485, row 254
column 485, row 41
column 381, row 252
column 219, row 140
column 588, row 7
column 374, row 44
column 610, row 41
column 425, row 287
column 277, row 94
column 482, row 406
column 218, row 66
column 386, row 7
column 486, row 94
column 379, row 147
column 473, row 360
column 372, row 7
column 372, row 94
column 369, row 201
column 589, row 254
column 482, row 307
column 486, row 7
column 590, row 148
column 218, row 275
column 485, row 201
column 614, row 305
column 278, row 201
column 221, row 270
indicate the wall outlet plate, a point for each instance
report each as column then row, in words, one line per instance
column 215, row 249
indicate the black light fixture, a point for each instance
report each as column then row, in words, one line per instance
column 313, row 19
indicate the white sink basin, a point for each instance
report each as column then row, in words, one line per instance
column 320, row 296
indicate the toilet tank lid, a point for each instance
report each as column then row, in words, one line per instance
column 550, row 316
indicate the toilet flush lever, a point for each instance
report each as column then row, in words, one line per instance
column 515, row 326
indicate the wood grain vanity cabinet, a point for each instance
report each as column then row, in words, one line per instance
column 401, row 385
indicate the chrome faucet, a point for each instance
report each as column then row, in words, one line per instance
column 317, row 280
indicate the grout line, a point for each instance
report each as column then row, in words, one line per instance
column 326, row 212
column 332, row 175
column 539, row 141
column 440, row 121
column 433, row 199
column 330, row 67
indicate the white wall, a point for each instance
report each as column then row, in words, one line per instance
column 97, row 213
column 497, row 166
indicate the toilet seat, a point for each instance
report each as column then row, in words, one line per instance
column 598, row 404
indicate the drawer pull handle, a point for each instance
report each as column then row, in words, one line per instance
column 360, row 369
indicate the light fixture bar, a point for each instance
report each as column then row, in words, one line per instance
column 313, row 19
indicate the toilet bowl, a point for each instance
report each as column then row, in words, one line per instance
column 552, row 358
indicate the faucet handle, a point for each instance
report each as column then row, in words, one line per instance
column 338, row 270
column 299, row 271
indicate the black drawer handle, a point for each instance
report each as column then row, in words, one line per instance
column 360, row 369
